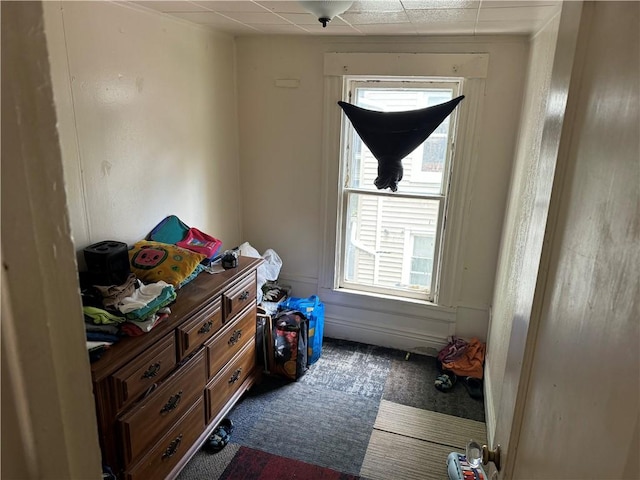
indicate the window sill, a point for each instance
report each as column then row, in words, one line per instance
column 386, row 304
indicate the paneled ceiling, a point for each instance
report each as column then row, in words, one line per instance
column 364, row 18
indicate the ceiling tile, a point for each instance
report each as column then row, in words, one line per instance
column 368, row 18
column 331, row 30
column 169, row 7
column 204, row 18
column 227, row 6
column 309, row 19
column 365, row 17
column 258, row 18
column 439, row 4
column 519, row 3
column 290, row 6
column 376, row 6
column 457, row 28
column 388, row 29
column 280, row 29
column 448, row 16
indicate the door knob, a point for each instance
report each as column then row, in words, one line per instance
column 477, row 454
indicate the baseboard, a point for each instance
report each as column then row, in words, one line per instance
column 412, row 326
column 489, row 405
column 387, row 336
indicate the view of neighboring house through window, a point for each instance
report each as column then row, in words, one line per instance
column 390, row 242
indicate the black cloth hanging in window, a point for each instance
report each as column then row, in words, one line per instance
column 391, row 136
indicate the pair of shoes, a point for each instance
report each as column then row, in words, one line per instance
column 445, row 381
column 220, row 436
column 474, row 387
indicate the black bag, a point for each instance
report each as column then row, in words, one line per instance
column 289, row 342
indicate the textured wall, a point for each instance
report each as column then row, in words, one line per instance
column 148, row 121
column 281, row 147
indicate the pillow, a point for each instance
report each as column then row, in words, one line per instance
column 155, row 261
column 193, row 275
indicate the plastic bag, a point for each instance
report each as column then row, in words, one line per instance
column 270, row 268
column 313, row 309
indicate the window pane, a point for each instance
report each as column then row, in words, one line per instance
column 424, row 167
column 380, row 249
column 422, row 260
column 420, row 264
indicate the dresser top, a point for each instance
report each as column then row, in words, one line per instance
column 190, row 298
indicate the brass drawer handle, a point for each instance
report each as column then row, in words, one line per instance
column 235, row 337
column 206, row 327
column 244, row 295
column 236, row 375
column 152, row 371
column 172, row 448
column 173, row 402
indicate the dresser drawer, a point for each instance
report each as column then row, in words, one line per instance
column 231, row 339
column 238, row 296
column 229, row 380
column 148, row 420
column 131, row 381
column 171, row 448
column 199, row 329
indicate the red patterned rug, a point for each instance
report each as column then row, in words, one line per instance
column 250, row 464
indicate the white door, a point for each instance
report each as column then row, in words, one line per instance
column 569, row 402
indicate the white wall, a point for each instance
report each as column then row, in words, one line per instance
column 147, row 120
column 281, row 167
column 527, row 168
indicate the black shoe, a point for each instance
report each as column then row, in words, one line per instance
column 220, row 436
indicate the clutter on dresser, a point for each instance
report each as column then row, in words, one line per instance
column 161, row 395
column 230, row 259
column 107, row 262
column 130, row 289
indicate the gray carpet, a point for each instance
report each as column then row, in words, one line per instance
column 326, row 418
column 324, row 427
column 410, row 382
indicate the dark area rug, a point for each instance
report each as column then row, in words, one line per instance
column 249, row 464
column 352, row 368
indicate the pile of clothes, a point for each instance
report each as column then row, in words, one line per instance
column 462, row 359
column 130, row 309
column 172, row 256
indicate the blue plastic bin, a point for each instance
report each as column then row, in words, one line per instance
column 313, row 309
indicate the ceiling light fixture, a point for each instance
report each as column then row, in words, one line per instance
column 325, row 10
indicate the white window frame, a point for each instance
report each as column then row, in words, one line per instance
column 351, row 83
column 409, row 242
column 472, row 68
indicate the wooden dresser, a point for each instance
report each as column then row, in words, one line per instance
column 160, row 395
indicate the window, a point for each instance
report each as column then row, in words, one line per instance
column 390, row 242
column 418, row 267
